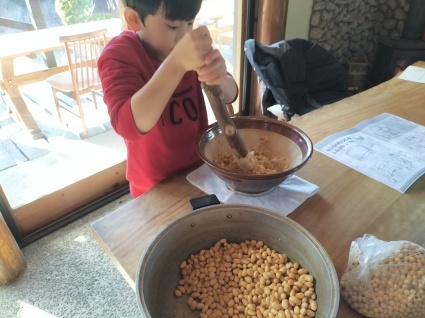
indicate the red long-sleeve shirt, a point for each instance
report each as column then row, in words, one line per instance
column 124, row 67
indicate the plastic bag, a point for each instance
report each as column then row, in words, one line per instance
column 385, row 279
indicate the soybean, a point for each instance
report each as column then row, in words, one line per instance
column 246, row 279
column 397, row 284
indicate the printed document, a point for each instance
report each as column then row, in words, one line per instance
column 386, row 148
column 413, row 74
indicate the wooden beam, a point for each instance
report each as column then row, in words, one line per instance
column 61, row 203
column 39, row 76
column 36, row 14
column 18, row 25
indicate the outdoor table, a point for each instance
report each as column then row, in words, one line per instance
column 26, row 43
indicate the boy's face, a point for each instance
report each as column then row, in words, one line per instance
column 162, row 34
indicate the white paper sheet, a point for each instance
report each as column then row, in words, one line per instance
column 414, row 74
column 386, row 148
column 284, row 199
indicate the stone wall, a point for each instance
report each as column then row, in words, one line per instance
column 351, row 27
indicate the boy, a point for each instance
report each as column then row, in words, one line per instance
column 151, row 84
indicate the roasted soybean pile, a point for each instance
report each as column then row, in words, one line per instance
column 246, row 279
column 264, row 161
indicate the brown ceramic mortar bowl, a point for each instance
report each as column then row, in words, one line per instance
column 286, row 141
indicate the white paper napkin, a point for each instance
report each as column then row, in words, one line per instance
column 284, row 199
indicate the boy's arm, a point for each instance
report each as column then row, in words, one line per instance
column 214, row 72
column 229, row 89
column 149, row 102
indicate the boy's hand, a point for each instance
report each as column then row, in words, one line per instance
column 193, row 48
column 214, row 71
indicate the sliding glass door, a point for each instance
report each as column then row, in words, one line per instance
column 49, row 179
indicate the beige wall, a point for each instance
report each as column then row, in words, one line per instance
column 298, row 20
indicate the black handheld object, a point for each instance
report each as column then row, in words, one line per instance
column 203, row 201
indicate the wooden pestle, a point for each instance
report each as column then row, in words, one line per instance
column 215, row 97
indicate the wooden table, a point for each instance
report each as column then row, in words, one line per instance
column 31, row 42
column 348, row 204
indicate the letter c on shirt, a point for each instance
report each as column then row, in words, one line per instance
column 189, row 109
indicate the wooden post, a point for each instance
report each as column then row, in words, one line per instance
column 12, row 262
column 38, row 21
column 121, row 8
column 271, row 26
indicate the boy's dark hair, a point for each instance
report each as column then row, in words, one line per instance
column 185, row 10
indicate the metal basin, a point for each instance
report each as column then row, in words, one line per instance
column 158, row 272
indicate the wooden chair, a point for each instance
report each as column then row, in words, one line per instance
column 82, row 51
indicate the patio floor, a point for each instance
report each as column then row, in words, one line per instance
column 32, row 168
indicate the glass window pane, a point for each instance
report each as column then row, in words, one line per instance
column 39, row 153
column 222, row 19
